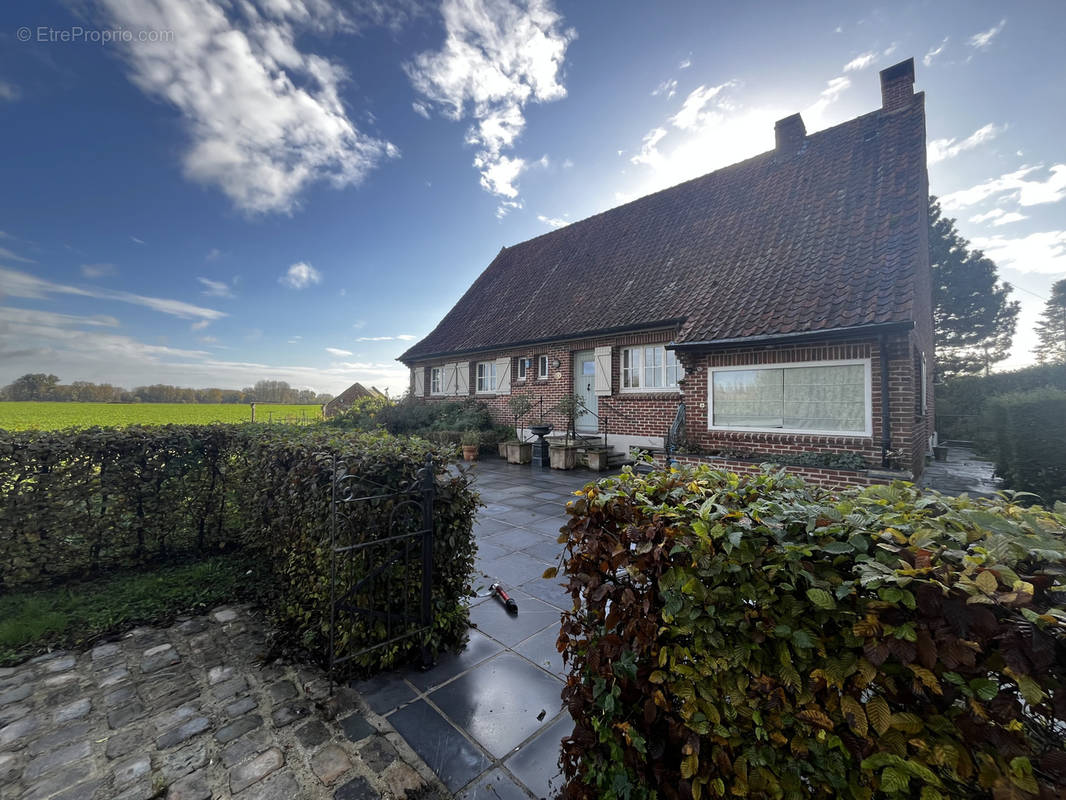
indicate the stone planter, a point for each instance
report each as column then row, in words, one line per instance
column 563, row 456
column 598, row 459
column 470, row 452
column 503, row 449
column 519, row 452
column 940, row 452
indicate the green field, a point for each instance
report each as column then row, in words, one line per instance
column 51, row 416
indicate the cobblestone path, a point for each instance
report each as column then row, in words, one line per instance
column 190, row 713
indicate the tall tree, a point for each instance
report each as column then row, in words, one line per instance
column 33, row 386
column 973, row 317
column 1051, row 329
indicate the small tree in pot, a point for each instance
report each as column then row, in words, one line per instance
column 518, row 451
column 564, row 456
column 471, row 440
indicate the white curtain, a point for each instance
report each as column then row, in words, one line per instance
column 830, row 398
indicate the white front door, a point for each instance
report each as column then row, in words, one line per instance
column 585, row 388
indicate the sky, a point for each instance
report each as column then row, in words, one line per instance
column 214, row 192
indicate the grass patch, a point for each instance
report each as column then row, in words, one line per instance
column 76, row 615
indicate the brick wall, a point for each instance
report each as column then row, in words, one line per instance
column 827, row 478
column 636, row 414
column 901, row 394
column 651, row 414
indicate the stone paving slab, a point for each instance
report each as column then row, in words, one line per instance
column 191, row 712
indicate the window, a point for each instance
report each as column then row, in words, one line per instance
column 524, row 366
column 542, row 367
column 830, row 397
column 649, row 368
column 436, row 380
column 486, row 376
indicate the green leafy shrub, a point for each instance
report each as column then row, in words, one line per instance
column 362, row 414
column 961, row 401
column 1028, row 439
column 79, row 503
column 759, row 637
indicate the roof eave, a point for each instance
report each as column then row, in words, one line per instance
column 640, row 328
column 798, row 336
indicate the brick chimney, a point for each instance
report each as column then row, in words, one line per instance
column 897, row 85
column 789, row 134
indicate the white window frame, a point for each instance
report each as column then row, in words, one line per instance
column 436, row 377
column 542, row 368
column 787, row 365
column 638, row 349
column 525, row 366
column 490, row 373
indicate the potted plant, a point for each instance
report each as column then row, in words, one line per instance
column 597, row 458
column 470, row 440
column 564, row 455
column 518, row 451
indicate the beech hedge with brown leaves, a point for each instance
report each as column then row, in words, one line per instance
column 759, row 637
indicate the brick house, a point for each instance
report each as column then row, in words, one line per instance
column 785, row 301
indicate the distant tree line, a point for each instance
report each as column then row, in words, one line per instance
column 42, row 387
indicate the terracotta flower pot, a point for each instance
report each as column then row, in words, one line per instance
column 470, row 452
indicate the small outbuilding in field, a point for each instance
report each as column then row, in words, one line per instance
column 343, row 401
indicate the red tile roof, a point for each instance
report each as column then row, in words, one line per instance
column 826, row 238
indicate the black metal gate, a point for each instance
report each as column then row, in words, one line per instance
column 381, row 562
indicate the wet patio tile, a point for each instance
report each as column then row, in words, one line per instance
column 550, row 590
column 547, row 550
column 454, row 759
column 501, row 703
column 384, row 692
column 540, row 649
column 478, row 648
column 536, row 764
column 533, row 616
column 516, row 539
column 514, row 569
column 493, row 785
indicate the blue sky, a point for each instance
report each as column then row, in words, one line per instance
column 210, row 193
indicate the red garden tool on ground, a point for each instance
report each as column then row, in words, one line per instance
column 506, row 599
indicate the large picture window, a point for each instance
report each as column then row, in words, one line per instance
column 486, row 377
column 647, row 369
column 823, row 397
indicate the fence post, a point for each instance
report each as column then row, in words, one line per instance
column 332, row 565
column 428, row 482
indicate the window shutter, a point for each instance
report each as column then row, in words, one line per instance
column 603, row 370
column 449, row 379
column 420, row 381
column 503, row 376
column 462, row 377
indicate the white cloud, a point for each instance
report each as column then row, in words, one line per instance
column 1043, row 252
column 9, row 92
column 300, row 275
column 359, row 323
column 402, row 337
column 814, row 116
column 942, row 149
column 7, row 255
column 553, row 222
column 933, row 52
column 692, row 112
column 984, row 39
column 498, row 56
column 685, row 63
column 22, row 284
column 213, row 254
column 199, row 326
column 34, row 317
column 997, row 216
column 1016, row 186
column 336, row 351
column 669, row 88
column 264, row 118
column 215, row 288
column 420, row 108
column 135, row 240
column 99, row 270
column 861, row 62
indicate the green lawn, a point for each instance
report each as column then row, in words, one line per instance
column 76, row 615
column 52, row 416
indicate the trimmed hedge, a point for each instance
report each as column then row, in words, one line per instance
column 961, row 401
column 78, row 503
column 1029, row 441
column 759, row 637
